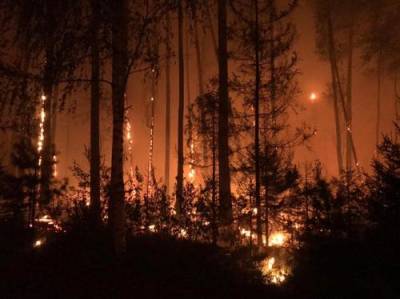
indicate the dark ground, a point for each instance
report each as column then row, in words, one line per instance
column 76, row 266
column 80, row 265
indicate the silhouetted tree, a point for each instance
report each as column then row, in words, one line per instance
column 224, row 181
column 181, row 106
column 266, row 82
column 384, row 185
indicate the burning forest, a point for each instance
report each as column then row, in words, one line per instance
column 199, row 149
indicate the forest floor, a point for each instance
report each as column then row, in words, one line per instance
column 80, row 265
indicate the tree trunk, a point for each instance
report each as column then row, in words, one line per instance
column 212, row 31
column 198, row 58
column 168, row 102
column 214, row 179
column 332, row 59
column 119, row 78
column 378, row 98
column 95, row 207
column 223, row 118
column 344, row 108
column 199, row 76
column 257, row 128
column 181, row 87
column 46, row 164
column 349, row 100
column 396, row 100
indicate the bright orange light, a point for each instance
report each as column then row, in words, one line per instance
column 313, row 97
column 277, row 239
column 274, row 272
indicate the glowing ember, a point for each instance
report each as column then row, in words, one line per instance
column 277, row 239
column 38, row 243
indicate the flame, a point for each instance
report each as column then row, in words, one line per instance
column 192, row 170
column 44, row 219
column 270, row 263
column 183, row 233
column 152, row 228
column 128, row 138
column 128, row 135
column 41, row 127
column 50, row 222
column 192, row 174
column 273, row 272
column 277, row 239
column 55, row 166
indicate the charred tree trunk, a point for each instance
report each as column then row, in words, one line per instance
column 119, row 78
column 181, row 88
column 168, row 102
column 95, row 207
column 225, row 200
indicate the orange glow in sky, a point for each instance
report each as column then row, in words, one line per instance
column 313, row 97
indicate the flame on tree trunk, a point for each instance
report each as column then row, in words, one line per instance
column 46, row 164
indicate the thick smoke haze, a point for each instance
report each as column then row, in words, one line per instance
column 314, row 77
